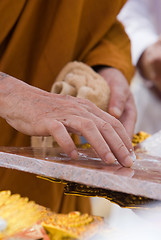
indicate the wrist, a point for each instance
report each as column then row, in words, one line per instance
column 7, row 87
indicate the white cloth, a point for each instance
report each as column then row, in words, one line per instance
column 148, row 105
column 142, row 21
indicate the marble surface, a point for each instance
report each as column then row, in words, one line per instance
column 144, row 178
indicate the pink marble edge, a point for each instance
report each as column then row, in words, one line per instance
column 92, row 177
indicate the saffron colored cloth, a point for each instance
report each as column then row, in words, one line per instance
column 37, row 38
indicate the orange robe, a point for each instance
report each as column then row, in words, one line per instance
column 37, row 38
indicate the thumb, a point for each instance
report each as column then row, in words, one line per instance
column 117, row 101
column 119, row 90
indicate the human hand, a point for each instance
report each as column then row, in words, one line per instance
column 121, row 104
column 149, row 63
column 36, row 112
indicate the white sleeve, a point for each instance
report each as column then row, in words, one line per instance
column 136, row 17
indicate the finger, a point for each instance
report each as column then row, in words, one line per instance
column 121, row 131
column 101, row 115
column 118, row 99
column 103, row 139
column 126, row 172
column 119, row 90
column 116, row 145
column 88, row 129
column 62, row 137
column 128, row 118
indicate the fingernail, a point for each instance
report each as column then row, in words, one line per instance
column 109, row 158
column 74, row 154
column 128, row 162
column 132, row 155
column 116, row 111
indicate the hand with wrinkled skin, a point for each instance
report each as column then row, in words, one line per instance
column 36, row 112
column 149, row 63
column 121, row 104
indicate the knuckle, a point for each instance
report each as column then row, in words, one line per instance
column 87, row 124
column 116, row 124
column 121, row 147
column 105, row 126
column 86, row 102
column 56, row 126
column 83, row 100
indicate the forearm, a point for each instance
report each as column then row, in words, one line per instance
column 12, row 92
column 9, row 87
column 6, row 85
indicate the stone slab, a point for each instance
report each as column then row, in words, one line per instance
column 143, row 179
